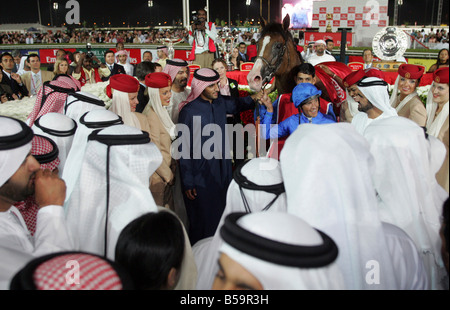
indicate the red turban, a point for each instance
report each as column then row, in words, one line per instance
column 122, row 82
column 374, row 72
column 354, row 77
column 441, row 75
column 411, row 71
column 158, row 80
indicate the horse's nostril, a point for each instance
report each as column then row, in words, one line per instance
column 257, row 78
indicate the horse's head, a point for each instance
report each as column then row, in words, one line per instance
column 275, row 46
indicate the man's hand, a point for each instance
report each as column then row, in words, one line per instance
column 191, row 194
column 16, row 77
column 326, row 70
column 265, row 100
column 258, row 95
column 3, row 98
column 82, row 57
column 49, row 189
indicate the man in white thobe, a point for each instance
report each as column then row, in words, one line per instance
column 20, row 177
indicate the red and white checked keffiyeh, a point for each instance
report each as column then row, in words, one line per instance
column 92, row 273
column 70, row 80
column 173, row 66
column 55, row 99
column 198, row 85
column 28, row 208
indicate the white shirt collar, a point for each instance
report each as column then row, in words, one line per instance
column 7, row 74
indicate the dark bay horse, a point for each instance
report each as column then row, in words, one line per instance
column 276, row 57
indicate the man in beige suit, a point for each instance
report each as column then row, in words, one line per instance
column 407, row 102
column 35, row 78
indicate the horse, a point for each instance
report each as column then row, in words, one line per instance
column 277, row 56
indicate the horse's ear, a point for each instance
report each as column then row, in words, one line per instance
column 262, row 21
column 286, row 22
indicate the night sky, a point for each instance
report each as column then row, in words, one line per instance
column 133, row 11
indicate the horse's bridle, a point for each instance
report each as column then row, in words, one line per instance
column 272, row 68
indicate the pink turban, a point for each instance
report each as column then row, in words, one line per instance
column 202, row 78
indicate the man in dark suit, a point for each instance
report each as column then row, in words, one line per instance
column 142, row 69
column 242, row 47
column 100, row 38
column 114, row 67
column 17, row 58
column 10, row 78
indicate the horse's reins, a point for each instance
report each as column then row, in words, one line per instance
column 272, row 68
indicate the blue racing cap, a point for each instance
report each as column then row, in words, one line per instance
column 302, row 92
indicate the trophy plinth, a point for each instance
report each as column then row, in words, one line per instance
column 389, row 44
column 388, row 66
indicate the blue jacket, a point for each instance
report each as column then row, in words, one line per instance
column 286, row 127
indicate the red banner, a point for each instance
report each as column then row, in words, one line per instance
column 48, row 56
column 335, row 36
column 133, row 53
column 182, row 54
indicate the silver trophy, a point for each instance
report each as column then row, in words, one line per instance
column 170, row 42
column 228, row 42
column 389, row 44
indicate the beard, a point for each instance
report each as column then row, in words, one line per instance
column 14, row 192
column 365, row 108
column 181, row 83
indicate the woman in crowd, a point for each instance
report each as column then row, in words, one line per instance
column 442, row 60
column 438, row 121
column 404, row 97
column 61, row 67
column 227, row 86
column 123, row 89
column 234, row 58
column 162, row 133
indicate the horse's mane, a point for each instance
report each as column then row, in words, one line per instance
column 275, row 28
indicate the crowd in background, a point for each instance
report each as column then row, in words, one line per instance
column 100, row 36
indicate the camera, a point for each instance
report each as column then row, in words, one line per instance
column 196, row 21
column 89, row 53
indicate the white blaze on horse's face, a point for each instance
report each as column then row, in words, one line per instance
column 254, row 76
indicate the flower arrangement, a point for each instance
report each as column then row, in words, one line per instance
column 99, row 90
column 422, row 91
column 247, row 117
column 20, row 109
